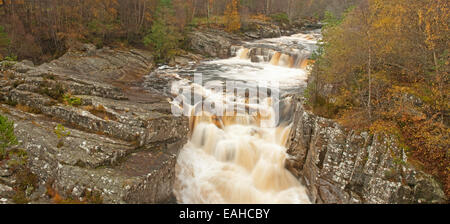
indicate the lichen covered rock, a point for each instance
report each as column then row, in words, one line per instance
column 89, row 125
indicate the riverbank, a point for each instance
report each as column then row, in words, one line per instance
column 88, row 130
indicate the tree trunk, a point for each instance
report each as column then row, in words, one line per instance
column 208, row 11
column 440, row 81
column 369, row 65
column 193, row 9
column 268, row 7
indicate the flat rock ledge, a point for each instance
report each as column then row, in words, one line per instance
column 341, row 166
column 119, row 139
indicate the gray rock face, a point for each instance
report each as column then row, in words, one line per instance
column 213, row 43
column 218, row 44
column 121, row 141
column 257, row 29
column 340, row 166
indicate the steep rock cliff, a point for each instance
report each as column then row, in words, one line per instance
column 342, row 166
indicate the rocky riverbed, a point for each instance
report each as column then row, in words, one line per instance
column 87, row 125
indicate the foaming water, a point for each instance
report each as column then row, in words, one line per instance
column 236, row 164
column 240, row 157
column 245, row 70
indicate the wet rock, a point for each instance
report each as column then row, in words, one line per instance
column 185, row 59
column 341, row 166
column 257, row 59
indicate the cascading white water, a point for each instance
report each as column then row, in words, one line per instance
column 240, row 157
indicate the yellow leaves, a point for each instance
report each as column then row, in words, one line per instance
column 407, row 41
column 384, row 127
column 148, row 16
column 260, row 17
column 384, row 22
column 112, row 11
column 434, row 16
column 9, row 2
column 232, row 17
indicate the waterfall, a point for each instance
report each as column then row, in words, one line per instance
column 284, row 60
column 243, row 53
column 236, row 159
column 290, row 52
column 239, row 156
column 275, row 58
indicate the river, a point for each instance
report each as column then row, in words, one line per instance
column 238, row 155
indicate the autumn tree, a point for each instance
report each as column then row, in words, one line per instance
column 232, row 17
column 434, row 18
column 384, row 68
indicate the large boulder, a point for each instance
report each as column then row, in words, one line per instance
column 212, row 43
column 257, row 29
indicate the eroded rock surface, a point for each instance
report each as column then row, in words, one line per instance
column 87, row 124
column 213, row 43
column 340, row 166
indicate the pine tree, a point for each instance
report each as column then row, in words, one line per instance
column 7, row 137
column 4, row 42
column 163, row 37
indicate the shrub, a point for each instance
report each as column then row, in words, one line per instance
column 72, row 100
column 55, row 91
column 280, row 18
column 61, row 131
column 26, row 183
column 28, row 109
column 7, row 137
column 11, row 58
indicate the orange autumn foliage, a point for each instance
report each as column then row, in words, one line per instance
column 385, row 67
column 232, row 17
